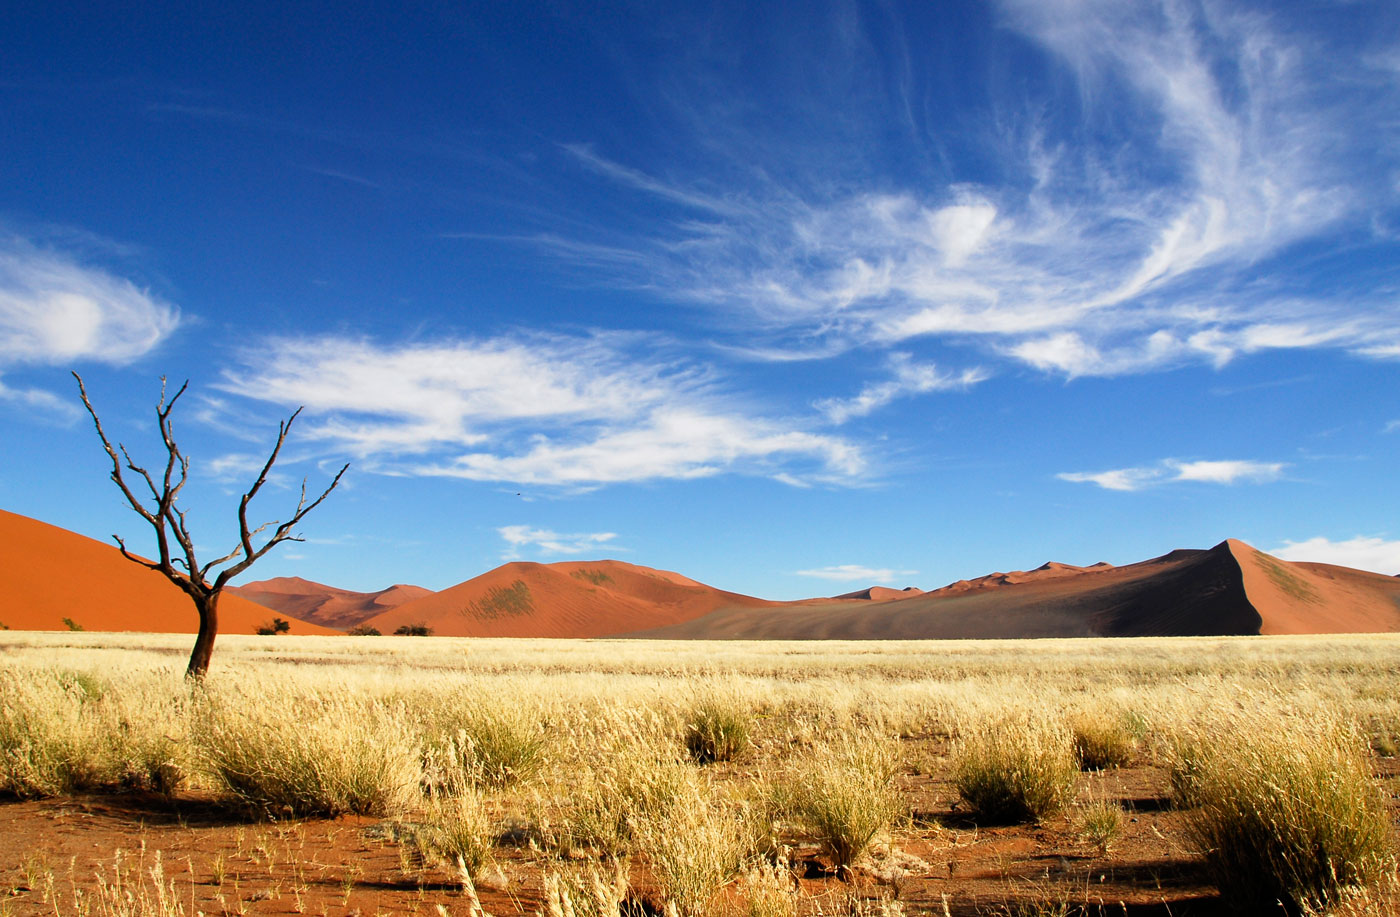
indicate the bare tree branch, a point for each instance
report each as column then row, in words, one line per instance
column 167, row 520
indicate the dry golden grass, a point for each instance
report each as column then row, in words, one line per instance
column 698, row 760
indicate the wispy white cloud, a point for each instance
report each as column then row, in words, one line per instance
column 1172, row 470
column 845, row 573
column 550, row 410
column 1228, row 472
column 643, row 182
column 1226, row 141
column 55, row 310
column 1363, row 552
column 546, row 541
column 1119, row 479
column 908, row 378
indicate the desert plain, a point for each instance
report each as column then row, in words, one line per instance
column 645, row 767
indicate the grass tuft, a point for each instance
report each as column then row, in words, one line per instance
column 846, row 796
column 695, row 846
column 716, row 728
column 1103, row 739
column 1015, row 769
column 1286, row 812
column 335, row 757
column 1101, row 823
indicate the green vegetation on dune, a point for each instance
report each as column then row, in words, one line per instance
column 501, row 601
column 1291, row 584
column 596, row 577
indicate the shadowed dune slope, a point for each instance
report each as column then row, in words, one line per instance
column 1229, row 589
column 326, row 605
column 49, row 574
column 571, row 599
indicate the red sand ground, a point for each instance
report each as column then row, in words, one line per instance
column 223, row 865
column 50, row 573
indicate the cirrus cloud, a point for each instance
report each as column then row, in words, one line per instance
column 845, row 573
column 1147, row 230
column 1172, row 470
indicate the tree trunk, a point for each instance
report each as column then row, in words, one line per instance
column 204, row 643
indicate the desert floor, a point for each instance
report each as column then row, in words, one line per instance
column 118, row 847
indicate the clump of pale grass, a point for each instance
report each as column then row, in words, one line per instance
column 617, row 769
column 845, row 796
column 695, row 846
column 335, row 755
column 1103, row 738
column 770, row 890
column 67, row 731
column 493, row 745
column 604, row 805
column 1285, row 811
column 1015, row 768
column 588, row 893
column 1101, row 823
column 716, row 727
column 452, row 829
column 51, row 741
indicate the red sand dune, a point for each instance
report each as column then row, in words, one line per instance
column 880, row 594
column 326, row 605
column 49, row 574
column 571, row 599
column 1229, row 589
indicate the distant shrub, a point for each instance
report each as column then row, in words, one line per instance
column 71, row 624
column 413, row 630
column 363, row 630
column 278, row 626
column 1015, row 769
column 1287, row 813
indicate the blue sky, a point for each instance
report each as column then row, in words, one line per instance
column 793, row 299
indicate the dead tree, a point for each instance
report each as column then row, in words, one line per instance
column 177, row 561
